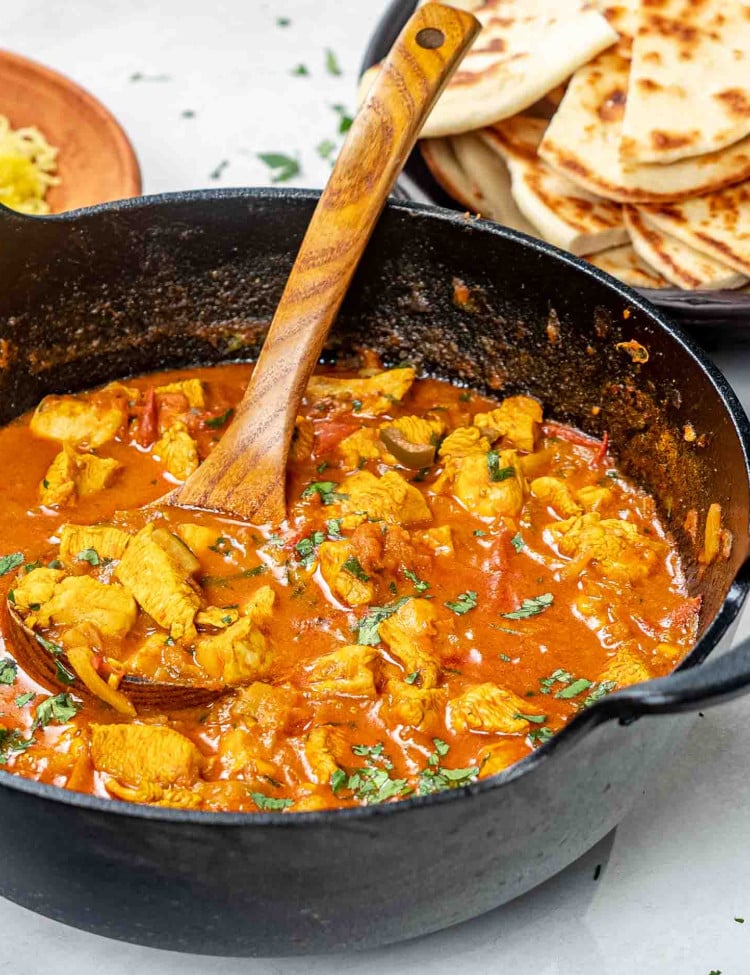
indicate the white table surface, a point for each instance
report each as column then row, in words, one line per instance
column 676, row 873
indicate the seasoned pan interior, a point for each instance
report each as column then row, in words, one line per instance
column 195, row 279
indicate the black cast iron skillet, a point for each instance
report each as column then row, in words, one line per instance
column 194, row 278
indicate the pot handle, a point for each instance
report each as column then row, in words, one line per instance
column 700, row 686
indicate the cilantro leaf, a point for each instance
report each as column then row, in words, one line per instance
column 345, row 119
column 574, row 689
column 531, row 607
column 599, row 691
column 353, row 567
column 60, row 708
column 269, row 803
column 533, row 718
column 215, row 422
column 306, row 548
column 463, row 602
column 541, row 735
column 49, row 646
column 333, row 527
column 368, row 628
column 8, row 670
column 338, row 780
column 89, row 555
column 498, row 473
column 283, row 167
column 300, row 71
column 419, row 584
column 326, row 490
column 413, row 677
column 10, row 562
column 332, row 64
column 23, row 699
column 517, row 542
column 62, row 673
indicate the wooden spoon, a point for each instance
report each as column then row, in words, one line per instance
column 245, row 474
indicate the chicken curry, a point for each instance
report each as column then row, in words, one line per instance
column 456, row 579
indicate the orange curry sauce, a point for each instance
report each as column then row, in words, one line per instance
column 404, row 631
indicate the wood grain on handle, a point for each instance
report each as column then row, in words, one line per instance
column 245, row 475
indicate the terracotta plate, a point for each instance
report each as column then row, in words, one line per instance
column 96, row 162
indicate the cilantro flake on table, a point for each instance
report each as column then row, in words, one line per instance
column 332, row 64
column 282, row 167
column 345, row 119
column 531, row 607
column 300, row 71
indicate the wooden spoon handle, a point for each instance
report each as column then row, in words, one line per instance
column 245, row 474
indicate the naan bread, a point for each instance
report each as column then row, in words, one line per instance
column 689, row 80
column 562, row 212
column 525, row 49
column 583, row 143
column 624, row 17
column 717, row 224
column 680, row 264
column 469, row 172
column 625, row 264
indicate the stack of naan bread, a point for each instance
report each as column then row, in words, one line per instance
column 620, row 132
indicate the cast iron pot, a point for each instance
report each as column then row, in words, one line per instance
column 193, row 278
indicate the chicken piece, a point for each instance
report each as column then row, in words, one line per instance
column 618, row 549
column 488, row 708
column 137, row 754
column 259, row 607
column 438, row 540
column 361, row 446
column 239, row 754
column 388, row 498
column 82, row 599
column 325, row 749
column 156, row 795
column 477, row 491
column 410, row 634
column 345, row 576
column 418, row 429
column 496, row 758
column 518, row 419
column 303, row 440
column 177, row 451
column 418, row 707
column 191, row 389
column 198, row 538
column 593, row 497
column 72, row 475
column 376, row 393
column 241, row 652
column 627, row 666
column 273, row 709
column 36, row 587
column 556, row 494
column 154, row 570
column 107, row 541
column 219, row 617
column 77, row 421
column 345, row 672
column 463, row 442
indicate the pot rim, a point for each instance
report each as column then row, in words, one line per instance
column 605, row 710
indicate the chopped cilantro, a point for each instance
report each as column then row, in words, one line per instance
column 465, row 396
column 333, row 527
column 479, row 533
column 505, row 658
column 89, row 555
column 574, row 689
column 356, row 405
column 282, row 167
column 222, row 545
column 62, row 673
column 218, row 170
column 740, row 920
column 269, row 803
column 353, row 567
column 30, row 566
column 332, row 64
column 498, row 473
column 215, row 422
column 217, row 581
column 419, row 584
column 306, row 548
column 10, row 742
column 49, row 646
column 533, row 718
column 517, row 542
column 531, row 607
column 322, row 466
column 55, row 564
column 338, row 780
column 60, row 708
column 435, row 778
column 300, row 71
column 541, row 735
column 326, row 491
column 8, row 670
column 372, row 751
column 10, row 562
column 326, row 149
column 463, row 602
column 441, row 747
column 283, row 21
column 558, row 677
column 368, row 628
column 392, row 588
column 413, row 677
column 600, row 691
column 23, row 699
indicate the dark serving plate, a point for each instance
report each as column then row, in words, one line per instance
column 711, row 315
